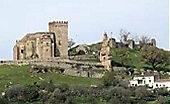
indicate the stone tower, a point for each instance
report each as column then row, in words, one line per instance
column 60, row 28
column 105, row 53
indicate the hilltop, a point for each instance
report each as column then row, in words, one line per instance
column 134, row 58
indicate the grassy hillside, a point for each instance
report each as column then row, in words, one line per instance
column 134, row 54
column 11, row 75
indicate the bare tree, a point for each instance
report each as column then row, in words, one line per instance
column 135, row 38
column 71, row 43
column 124, row 35
column 145, row 39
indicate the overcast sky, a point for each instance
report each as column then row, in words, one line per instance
column 88, row 19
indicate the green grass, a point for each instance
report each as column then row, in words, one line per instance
column 133, row 54
column 152, row 102
column 22, row 75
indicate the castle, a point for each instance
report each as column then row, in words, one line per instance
column 43, row 45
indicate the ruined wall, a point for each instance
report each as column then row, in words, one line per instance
column 112, row 42
column 153, row 42
column 60, row 28
column 46, row 47
column 131, row 44
column 38, row 45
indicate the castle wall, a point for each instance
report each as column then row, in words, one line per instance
column 131, row 44
column 29, row 49
column 15, row 53
column 35, row 46
column 46, row 48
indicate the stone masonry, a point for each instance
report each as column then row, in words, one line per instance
column 105, row 53
column 43, row 45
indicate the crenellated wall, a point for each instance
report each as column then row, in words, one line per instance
column 60, row 28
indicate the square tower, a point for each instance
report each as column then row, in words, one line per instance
column 60, row 28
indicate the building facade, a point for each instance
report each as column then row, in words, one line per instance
column 162, row 83
column 142, row 81
column 43, row 45
column 150, row 81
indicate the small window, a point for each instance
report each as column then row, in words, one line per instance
column 140, row 81
column 22, row 51
column 149, row 80
column 103, row 54
column 156, row 85
column 46, row 49
column 47, row 44
column 59, row 42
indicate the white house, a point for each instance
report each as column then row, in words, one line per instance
column 142, row 81
column 151, row 81
column 162, row 83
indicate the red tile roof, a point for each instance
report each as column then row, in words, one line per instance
column 163, row 80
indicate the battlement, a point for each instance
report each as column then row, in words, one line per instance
column 58, row 22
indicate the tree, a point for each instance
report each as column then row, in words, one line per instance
column 135, row 38
column 141, row 92
column 123, row 56
column 157, row 58
column 124, row 35
column 144, row 39
column 71, row 43
column 109, row 79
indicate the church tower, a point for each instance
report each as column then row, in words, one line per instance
column 60, row 28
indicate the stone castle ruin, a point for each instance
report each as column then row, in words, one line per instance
column 129, row 43
column 43, row 45
column 105, row 53
column 108, row 43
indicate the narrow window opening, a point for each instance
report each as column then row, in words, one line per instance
column 59, row 42
column 22, row 51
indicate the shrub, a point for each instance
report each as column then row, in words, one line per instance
column 32, row 93
column 16, row 92
column 109, row 79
